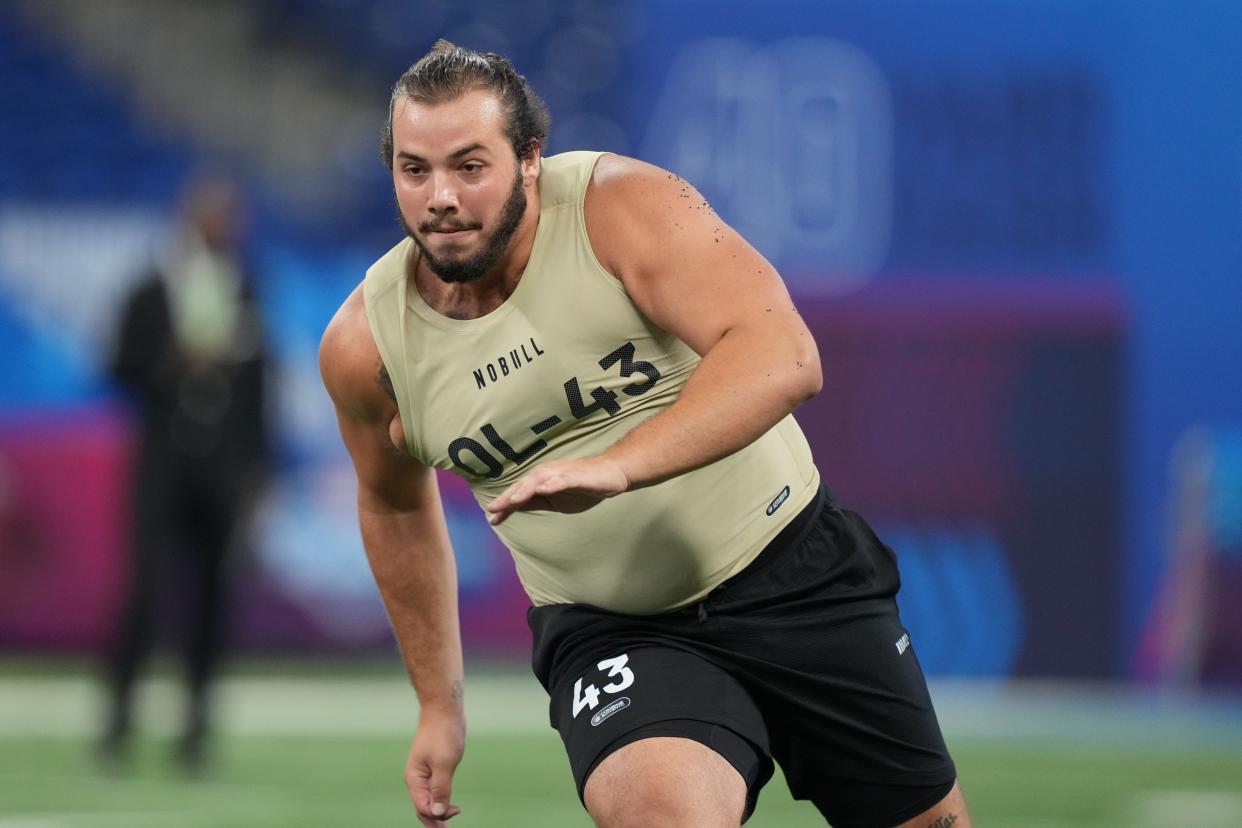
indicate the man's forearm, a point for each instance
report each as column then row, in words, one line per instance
column 744, row 386
column 417, row 579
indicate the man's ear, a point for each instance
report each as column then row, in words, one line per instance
column 532, row 162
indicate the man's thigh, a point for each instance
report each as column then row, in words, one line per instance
column 663, row 780
column 653, row 696
column 949, row 812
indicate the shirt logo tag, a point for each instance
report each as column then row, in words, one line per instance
column 778, row 501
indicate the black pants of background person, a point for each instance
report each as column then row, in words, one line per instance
column 185, row 514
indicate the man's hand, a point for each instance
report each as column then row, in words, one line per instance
column 437, row 750
column 568, row 486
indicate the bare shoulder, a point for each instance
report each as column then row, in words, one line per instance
column 615, row 174
column 633, row 209
column 350, row 364
column 622, row 185
column 681, row 264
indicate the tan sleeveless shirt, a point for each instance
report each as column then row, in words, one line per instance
column 565, row 368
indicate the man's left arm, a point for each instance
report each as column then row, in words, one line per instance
column 694, row 276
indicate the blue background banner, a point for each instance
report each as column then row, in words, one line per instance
column 1016, row 226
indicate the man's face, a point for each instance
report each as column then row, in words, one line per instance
column 461, row 192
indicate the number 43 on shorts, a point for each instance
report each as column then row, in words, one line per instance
column 588, row 696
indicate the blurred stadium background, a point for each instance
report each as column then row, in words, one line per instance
column 1015, row 228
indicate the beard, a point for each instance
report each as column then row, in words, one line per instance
column 460, row 270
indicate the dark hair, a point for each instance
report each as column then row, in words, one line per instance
column 447, row 72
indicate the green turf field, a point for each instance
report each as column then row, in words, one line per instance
column 316, row 750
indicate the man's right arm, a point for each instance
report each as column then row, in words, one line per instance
column 407, row 546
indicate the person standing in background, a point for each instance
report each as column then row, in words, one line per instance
column 190, row 357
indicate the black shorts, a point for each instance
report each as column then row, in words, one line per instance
column 800, row 658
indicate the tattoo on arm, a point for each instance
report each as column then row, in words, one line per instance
column 459, row 694
column 385, row 382
column 944, row 821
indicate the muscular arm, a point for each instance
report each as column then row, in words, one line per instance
column 407, row 546
column 694, row 276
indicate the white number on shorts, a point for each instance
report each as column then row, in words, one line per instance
column 616, row 667
column 588, row 697
column 584, row 698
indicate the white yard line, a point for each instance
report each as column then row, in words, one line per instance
column 1030, row 712
column 1091, row 716
column 73, row 706
column 85, row 819
column 1202, row 809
